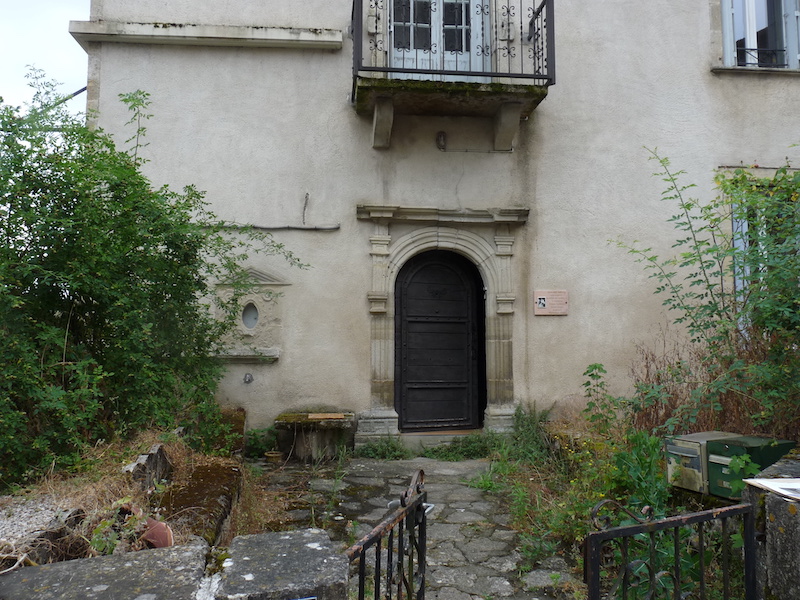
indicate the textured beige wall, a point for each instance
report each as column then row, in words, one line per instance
column 259, row 129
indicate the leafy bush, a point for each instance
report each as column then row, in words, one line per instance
column 552, row 479
column 107, row 284
column 634, row 459
column 733, row 287
column 259, row 441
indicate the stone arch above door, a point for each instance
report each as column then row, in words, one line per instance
column 466, row 243
column 485, row 237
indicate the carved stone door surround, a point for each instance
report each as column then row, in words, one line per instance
column 486, row 237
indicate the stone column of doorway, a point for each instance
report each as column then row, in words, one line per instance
column 500, row 408
column 381, row 419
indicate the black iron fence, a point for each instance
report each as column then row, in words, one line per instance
column 708, row 555
column 461, row 40
column 399, row 565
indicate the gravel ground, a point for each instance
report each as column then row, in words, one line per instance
column 20, row 517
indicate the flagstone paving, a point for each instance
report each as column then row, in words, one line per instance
column 472, row 552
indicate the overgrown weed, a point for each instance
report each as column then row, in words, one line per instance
column 115, row 507
column 551, row 479
column 261, row 507
column 386, row 448
column 468, row 447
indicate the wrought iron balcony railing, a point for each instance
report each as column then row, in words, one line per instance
column 484, row 41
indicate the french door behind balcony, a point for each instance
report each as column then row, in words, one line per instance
column 449, row 35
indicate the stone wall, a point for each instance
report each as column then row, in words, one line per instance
column 778, row 534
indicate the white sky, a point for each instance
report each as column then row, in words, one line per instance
column 36, row 32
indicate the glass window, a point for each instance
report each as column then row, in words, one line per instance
column 456, row 26
column 442, row 35
column 760, row 33
column 412, row 24
column 250, row 315
column 793, row 31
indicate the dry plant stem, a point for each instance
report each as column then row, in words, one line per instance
column 21, row 559
column 103, row 484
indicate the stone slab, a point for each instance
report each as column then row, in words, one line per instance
column 545, row 580
column 462, row 516
column 284, row 565
column 162, row 574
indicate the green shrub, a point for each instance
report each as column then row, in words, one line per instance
column 259, row 441
column 732, row 286
column 106, row 288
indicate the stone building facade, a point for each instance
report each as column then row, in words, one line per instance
column 454, row 189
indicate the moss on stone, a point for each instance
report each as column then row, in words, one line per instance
column 413, row 96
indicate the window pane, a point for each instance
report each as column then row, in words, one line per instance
column 422, row 38
column 770, row 35
column 453, row 40
column 402, row 37
column 794, row 44
column 422, row 12
column 452, row 13
column 758, row 32
column 402, row 11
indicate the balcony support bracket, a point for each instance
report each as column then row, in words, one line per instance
column 382, row 119
column 506, row 125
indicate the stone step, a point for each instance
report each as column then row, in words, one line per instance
column 173, row 573
column 289, row 564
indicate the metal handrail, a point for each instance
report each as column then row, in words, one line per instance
column 758, row 54
column 405, row 529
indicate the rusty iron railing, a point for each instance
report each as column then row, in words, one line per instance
column 405, row 532
column 671, row 558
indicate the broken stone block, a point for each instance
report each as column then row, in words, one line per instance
column 150, row 468
column 289, row 564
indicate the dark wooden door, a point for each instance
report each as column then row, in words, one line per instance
column 439, row 343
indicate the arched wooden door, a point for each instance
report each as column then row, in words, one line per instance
column 440, row 364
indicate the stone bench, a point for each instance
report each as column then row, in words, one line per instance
column 317, row 435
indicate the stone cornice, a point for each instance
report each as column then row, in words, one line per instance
column 384, row 213
column 253, row 356
column 183, row 34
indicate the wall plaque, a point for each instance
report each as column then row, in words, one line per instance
column 550, row 302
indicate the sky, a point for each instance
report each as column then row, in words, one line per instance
column 36, row 32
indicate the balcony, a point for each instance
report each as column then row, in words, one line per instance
column 475, row 58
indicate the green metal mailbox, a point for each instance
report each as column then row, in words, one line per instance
column 763, row 452
column 687, row 459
